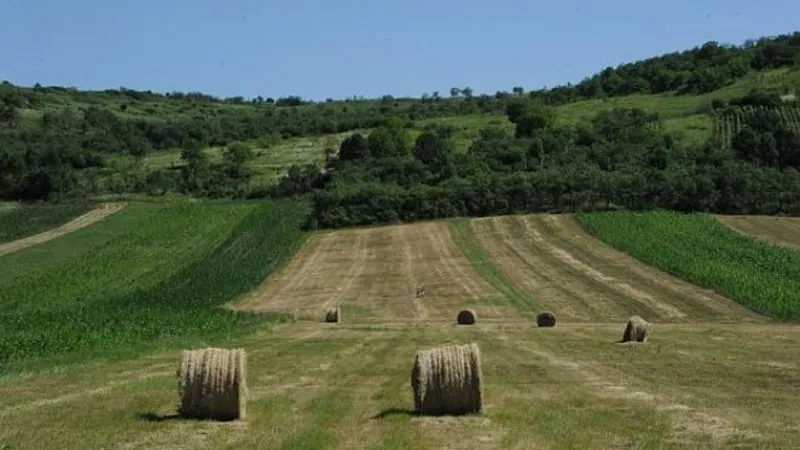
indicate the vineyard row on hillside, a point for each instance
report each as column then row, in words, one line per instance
column 731, row 121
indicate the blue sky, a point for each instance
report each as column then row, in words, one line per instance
column 326, row 48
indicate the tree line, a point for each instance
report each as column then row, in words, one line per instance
column 622, row 158
column 49, row 147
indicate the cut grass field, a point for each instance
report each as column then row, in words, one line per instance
column 373, row 274
column 157, row 281
column 552, row 261
column 314, row 386
column 713, row 373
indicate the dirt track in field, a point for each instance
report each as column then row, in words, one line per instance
column 580, row 279
column 373, row 275
column 783, row 231
column 79, row 222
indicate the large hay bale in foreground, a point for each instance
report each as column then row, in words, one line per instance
column 467, row 317
column 447, row 380
column 635, row 330
column 546, row 320
column 333, row 315
column 212, row 384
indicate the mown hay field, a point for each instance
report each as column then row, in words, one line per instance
column 712, row 373
column 348, row 386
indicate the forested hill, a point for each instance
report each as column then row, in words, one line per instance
column 700, row 70
column 58, row 142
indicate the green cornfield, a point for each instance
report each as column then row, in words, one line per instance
column 33, row 219
column 156, row 284
column 699, row 249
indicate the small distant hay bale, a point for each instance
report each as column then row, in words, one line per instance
column 546, row 320
column 467, row 317
column 212, row 384
column 333, row 315
column 635, row 330
column 447, row 380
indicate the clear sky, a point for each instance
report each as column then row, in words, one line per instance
column 329, row 48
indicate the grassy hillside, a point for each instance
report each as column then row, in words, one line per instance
column 152, row 275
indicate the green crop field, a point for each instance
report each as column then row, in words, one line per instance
column 25, row 221
column 155, row 280
column 702, row 250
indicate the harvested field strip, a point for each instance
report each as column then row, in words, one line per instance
column 180, row 278
column 556, row 286
column 373, row 273
column 75, row 224
column 348, row 387
column 704, row 251
column 783, row 231
column 551, row 259
column 467, row 242
column 667, row 294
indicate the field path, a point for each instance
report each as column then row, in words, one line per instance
column 580, row 279
column 783, row 231
column 373, row 275
column 82, row 221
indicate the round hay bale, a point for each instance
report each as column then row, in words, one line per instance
column 212, row 384
column 447, row 380
column 467, row 317
column 333, row 315
column 635, row 330
column 546, row 320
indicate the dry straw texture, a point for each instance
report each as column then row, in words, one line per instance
column 467, row 317
column 546, row 319
column 636, row 330
column 447, row 380
column 333, row 315
column 212, row 384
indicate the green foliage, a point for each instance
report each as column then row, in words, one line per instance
column 702, row 250
column 389, row 142
column 747, row 124
column 157, row 284
column 33, row 219
column 59, row 143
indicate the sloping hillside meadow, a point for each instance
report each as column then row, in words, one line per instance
column 127, row 293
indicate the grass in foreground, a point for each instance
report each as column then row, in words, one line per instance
column 16, row 223
column 154, row 285
column 315, row 386
column 705, row 252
